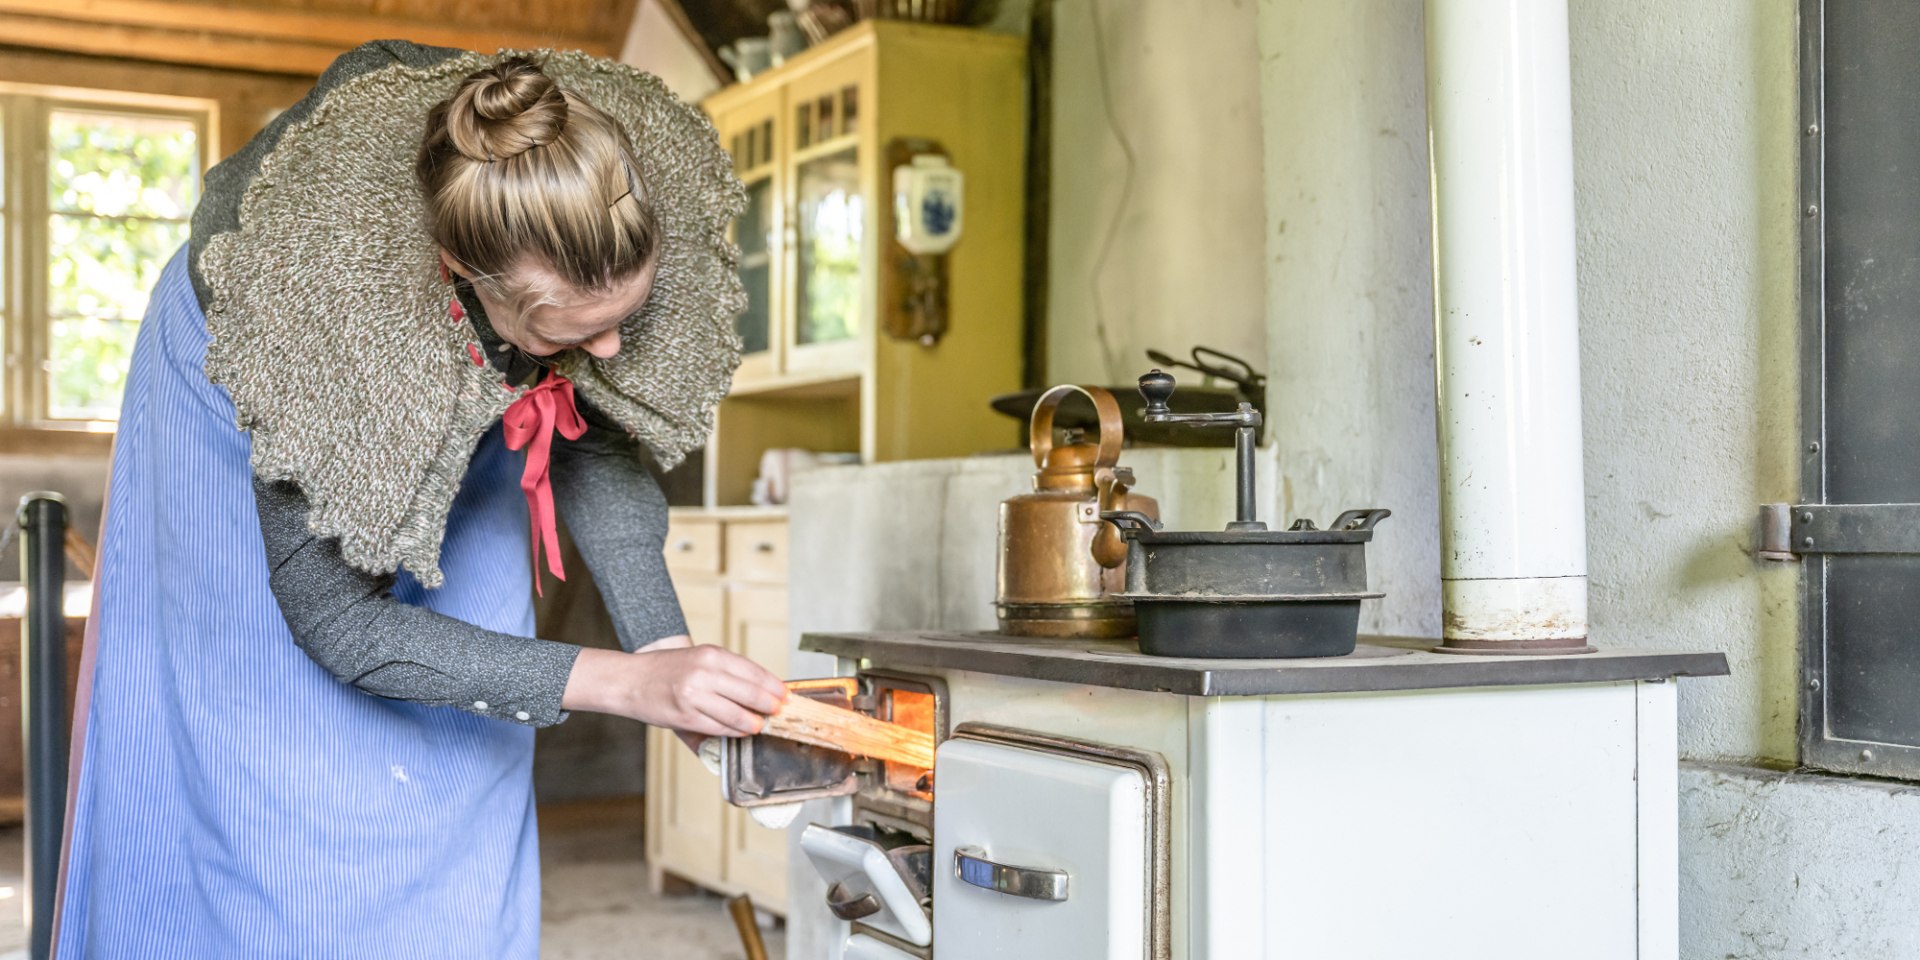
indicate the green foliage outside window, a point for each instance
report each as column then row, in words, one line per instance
column 832, row 220
column 120, row 189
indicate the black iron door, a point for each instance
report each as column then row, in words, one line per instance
column 1859, row 531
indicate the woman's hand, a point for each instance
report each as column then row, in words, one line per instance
column 691, row 739
column 701, row 690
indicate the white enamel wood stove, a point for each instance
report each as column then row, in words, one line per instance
column 1091, row 802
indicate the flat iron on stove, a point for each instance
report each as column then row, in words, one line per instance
column 1246, row 591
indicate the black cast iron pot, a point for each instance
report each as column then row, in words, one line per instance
column 1249, row 593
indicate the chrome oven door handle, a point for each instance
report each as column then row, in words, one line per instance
column 971, row 865
column 850, row 907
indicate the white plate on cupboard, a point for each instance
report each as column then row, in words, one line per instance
column 1046, row 847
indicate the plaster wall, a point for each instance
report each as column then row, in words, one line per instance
column 1349, row 286
column 1685, row 151
column 1684, row 170
column 1156, row 217
column 656, row 44
column 1779, row 866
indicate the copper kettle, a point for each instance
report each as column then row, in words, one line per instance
column 1062, row 568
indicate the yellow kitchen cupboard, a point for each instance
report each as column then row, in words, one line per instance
column 815, row 142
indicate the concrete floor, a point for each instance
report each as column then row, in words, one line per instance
column 594, row 905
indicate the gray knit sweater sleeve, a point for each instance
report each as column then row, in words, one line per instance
column 350, row 623
column 617, row 516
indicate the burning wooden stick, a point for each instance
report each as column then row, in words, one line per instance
column 823, row 725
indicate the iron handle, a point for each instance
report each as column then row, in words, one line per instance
column 683, row 546
column 1130, row 518
column 848, row 907
column 764, row 546
column 1360, row 519
column 970, row 865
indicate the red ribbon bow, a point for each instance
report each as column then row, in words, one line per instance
column 531, row 423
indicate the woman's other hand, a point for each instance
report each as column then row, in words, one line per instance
column 704, row 690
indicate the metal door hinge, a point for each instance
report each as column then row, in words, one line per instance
column 1775, row 541
column 1791, row 531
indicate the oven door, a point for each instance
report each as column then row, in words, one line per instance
column 873, row 878
column 1044, row 847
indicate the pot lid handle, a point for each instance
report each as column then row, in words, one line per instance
column 1040, row 427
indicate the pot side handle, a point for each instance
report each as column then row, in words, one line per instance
column 1363, row 519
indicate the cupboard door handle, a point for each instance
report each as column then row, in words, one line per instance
column 764, row 546
column 971, row 865
column 849, row 907
column 683, row 546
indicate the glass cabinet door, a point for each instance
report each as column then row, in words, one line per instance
column 831, row 227
column 751, row 139
column 832, row 217
column 754, row 233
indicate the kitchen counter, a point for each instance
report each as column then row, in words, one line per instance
column 1379, row 663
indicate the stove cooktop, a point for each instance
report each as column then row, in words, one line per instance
column 1378, row 663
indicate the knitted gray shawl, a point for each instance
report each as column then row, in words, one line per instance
column 312, row 261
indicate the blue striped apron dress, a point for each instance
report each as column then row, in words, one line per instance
column 232, row 798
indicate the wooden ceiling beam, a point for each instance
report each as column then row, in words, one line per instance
column 167, row 46
column 254, row 38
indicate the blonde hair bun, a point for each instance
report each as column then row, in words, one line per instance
column 493, row 200
column 506, row 110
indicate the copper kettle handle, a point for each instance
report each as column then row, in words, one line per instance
column 1040, row 426
column 1109, row 548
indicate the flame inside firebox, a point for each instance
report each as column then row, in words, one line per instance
column 913, row 709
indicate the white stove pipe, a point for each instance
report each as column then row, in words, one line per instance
column 1507, row 342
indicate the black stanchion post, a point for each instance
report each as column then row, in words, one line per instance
column 43, row 678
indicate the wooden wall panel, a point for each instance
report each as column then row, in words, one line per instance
column 303, row 36
column 246, row 100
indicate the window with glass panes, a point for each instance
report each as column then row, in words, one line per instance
column 96, row 199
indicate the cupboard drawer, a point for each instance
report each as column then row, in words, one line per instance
column 757, row 550
column 693, row 545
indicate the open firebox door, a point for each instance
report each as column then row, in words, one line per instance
column 1037, row 846
column 879, row 867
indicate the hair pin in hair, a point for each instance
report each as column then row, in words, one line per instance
column 633, row 188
